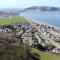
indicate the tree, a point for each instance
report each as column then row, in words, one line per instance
column 10, row 49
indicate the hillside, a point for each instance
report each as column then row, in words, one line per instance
column 43, row 8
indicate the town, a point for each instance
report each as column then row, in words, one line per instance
column 40, row 36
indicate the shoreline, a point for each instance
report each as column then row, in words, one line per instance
column 39, row 22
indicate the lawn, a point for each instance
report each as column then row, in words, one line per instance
column 45, row 55
column 11, row 20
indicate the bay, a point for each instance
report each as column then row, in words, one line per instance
column 49, row 17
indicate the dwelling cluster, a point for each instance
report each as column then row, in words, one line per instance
column 50, row 33
column 47, row 30
column 28, row 34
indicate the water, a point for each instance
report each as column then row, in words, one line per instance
column 50, row 17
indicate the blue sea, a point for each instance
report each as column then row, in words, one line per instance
column 50, row 17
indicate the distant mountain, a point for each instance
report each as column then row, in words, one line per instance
column 43, row 8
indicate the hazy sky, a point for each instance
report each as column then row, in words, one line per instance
column 28, row 3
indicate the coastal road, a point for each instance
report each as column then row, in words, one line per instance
column 56, row 44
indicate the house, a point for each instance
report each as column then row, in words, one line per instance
column 1, row 30
column 19, row 33
column 28, row 31
column 56, row 50
column 6, row 30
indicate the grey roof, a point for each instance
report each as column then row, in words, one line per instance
column 1, row 30
column 19, row 33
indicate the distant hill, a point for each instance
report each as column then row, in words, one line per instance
column 43, row 8
column 10, row 11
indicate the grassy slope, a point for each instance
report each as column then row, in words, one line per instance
column 11, row 20
column 46, row 55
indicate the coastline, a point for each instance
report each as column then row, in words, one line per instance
column 39, row 22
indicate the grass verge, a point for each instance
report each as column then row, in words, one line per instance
column 45, row 55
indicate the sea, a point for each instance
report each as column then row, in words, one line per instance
column 48, row 17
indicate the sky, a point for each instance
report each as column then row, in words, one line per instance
column 28, row 3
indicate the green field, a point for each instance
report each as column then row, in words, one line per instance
column 11, row 20
column 46, row 55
